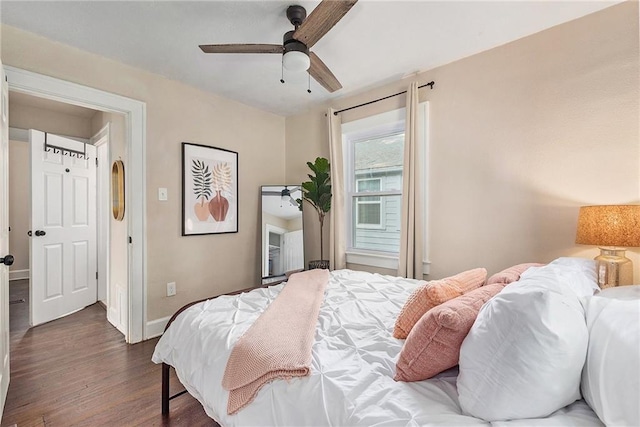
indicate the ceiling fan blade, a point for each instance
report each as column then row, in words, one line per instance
column 241, row 48
column 321, row 20
column 321, row 73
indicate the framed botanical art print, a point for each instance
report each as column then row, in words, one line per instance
column 209, row 190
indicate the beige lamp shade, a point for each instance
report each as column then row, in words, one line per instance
column 609, row 225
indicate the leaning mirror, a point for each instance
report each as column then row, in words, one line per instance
column 282, row 235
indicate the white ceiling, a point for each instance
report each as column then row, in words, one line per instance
column 274, row 205
column 375, row 43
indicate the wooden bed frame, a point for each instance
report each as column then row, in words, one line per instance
column 166, row 368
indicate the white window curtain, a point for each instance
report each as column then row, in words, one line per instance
column 337, row 237
column 412, row 227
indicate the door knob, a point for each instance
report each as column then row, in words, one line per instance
column 40, row 232
column 29, row 233
column 7, row 260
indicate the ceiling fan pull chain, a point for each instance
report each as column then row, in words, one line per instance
column 308, row 82
column 282, row 70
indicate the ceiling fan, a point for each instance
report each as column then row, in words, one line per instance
column 296, row 43
column 285, row 194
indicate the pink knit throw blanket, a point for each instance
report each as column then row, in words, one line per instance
column 278, row 344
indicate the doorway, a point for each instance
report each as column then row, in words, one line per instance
column 135, row 117
column 87, row 126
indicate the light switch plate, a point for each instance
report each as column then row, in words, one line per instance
column 171, row 289
column 162, row 194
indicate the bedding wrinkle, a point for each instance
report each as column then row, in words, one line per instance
column 380, row 301
column 359, row 330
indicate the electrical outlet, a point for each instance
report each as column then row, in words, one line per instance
column 162, row 194
column 171, row 289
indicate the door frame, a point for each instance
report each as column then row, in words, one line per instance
column 5, row 359
column 135, row 179
column 269, row 228
column 103, row 155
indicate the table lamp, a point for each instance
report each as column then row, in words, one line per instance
column 613, row 228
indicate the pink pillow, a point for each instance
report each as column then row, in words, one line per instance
column 434, row 293
column 511, row 274
column 434, row 343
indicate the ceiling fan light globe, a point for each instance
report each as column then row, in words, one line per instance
column 296, row 61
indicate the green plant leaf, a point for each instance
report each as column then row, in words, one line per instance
column 317, row 191
column 201, row 179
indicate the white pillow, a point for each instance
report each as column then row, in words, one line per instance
column 620, row 292
column 524, row 355
column 611, row 376
column 579, row 274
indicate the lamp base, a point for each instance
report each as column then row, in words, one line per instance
column 322, row 264
column 613, row 268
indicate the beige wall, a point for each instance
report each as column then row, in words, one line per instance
column 294, row 224
column 274, row 220
column 25, row 117
column 19, row 204
column 286, row 224
column 521, row 136
column 200, row 265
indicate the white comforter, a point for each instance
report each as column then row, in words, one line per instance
column 354, row 356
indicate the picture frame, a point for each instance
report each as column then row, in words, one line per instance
column 209, row 190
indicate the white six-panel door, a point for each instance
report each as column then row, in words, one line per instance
column 293, row 251
column 63, row 224
column 4, row 241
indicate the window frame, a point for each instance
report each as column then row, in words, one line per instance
column 380, row 125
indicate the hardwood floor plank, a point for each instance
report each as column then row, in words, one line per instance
column 78, row 371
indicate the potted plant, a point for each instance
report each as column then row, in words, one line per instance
column 317, row 192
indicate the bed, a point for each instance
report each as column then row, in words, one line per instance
column 353, row 363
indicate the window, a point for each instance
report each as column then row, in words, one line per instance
column 368, row 208
column 373, row 159
column 373, row 150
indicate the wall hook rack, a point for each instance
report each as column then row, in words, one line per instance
column 50, row 148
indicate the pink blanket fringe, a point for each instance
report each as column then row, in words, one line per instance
column 278, row 345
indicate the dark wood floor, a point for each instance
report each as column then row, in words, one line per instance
column 78, row 371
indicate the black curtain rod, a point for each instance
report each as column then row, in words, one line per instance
column 335, row 113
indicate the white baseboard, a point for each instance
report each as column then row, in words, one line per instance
column 155, row 328
column 18, row 274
